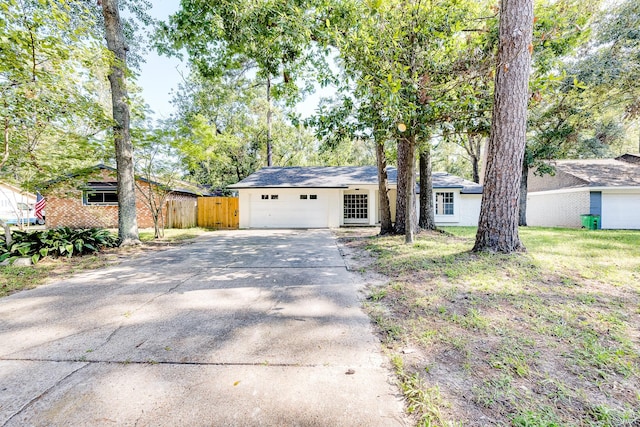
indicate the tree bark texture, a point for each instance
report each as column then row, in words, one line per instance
column 475, row 143
column 127, row 220
column 498, row 224
column 8, row 238
column 386, row 226
column 269, row 120
column 401, row 187
column 426, row 220
column 522, row 209
column 410, row 219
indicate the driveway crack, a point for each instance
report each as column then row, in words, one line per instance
column 44, row 393
column 140, row 307
column 117, row 323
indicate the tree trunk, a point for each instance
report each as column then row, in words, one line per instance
column 127, row 221
column 401, row 188
column 410, row 220
column 269, row 118
column 498, row 224
column 386, row 226
column 474, row 151
column 5, row 141
column 427, row 220
column 8, row 239
column 522, row 221
column 476, row 169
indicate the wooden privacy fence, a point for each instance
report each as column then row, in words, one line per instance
column 218, row 212
column 181, row 214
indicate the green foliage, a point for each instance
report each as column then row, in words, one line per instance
column 273, row 36
column 399, row 55
column 56, row 242
column 220, row 131
column 611, row 66
column 49, row 57
column 544, row 418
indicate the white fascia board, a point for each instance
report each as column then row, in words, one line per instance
column 581, row 189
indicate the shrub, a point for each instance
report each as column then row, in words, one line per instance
column 56, row 242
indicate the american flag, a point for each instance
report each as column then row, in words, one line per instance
column 40, row 204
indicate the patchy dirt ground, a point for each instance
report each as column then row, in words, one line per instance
column 482, row 340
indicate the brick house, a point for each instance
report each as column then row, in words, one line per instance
column 89, row 199
column 609, row 188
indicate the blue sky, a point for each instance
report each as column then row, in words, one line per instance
column 159, row 74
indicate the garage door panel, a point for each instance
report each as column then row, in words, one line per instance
column 288, row 212
column 621, row 211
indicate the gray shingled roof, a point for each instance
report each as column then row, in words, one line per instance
column 339, row 177
column 177, row 186
column 602, row 172
column 445, row 180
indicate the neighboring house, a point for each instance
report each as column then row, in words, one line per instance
column 16, row 205
column 320, row 197
column 89, row 199
column 606, row 187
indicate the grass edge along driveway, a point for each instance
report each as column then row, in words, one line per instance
column 546, row 338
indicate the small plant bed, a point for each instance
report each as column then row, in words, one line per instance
column 43, row 248
column 56, row 242
column 546, row 338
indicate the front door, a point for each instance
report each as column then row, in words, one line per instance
column 356, row 208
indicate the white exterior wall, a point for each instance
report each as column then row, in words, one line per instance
column 289, row 211
column 559, row 208
column 445, row 219
column 466, row 208
column 470, row 209
column 9, row 198
column 244, row 206
column 621, row 209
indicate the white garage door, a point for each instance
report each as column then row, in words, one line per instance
column 621, row 211
column 279, row 209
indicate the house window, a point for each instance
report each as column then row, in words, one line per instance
column 356, row 206
column 265, row 197
column 444, row 203
column 101, row 194
column 303, row 197
column 313, row 196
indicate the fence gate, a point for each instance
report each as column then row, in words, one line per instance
column 218, row 212
column 181, row 214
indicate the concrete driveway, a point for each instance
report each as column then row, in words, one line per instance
column 239, row 328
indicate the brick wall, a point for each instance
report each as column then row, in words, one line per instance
column 557, row 209
column 65, row 208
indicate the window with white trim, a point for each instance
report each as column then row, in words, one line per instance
column 444, row 203
column 356, row 206
column 100, row 194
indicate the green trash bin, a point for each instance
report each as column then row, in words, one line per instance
column 590, row 222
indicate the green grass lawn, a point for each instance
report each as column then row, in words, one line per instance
column 550, row 337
